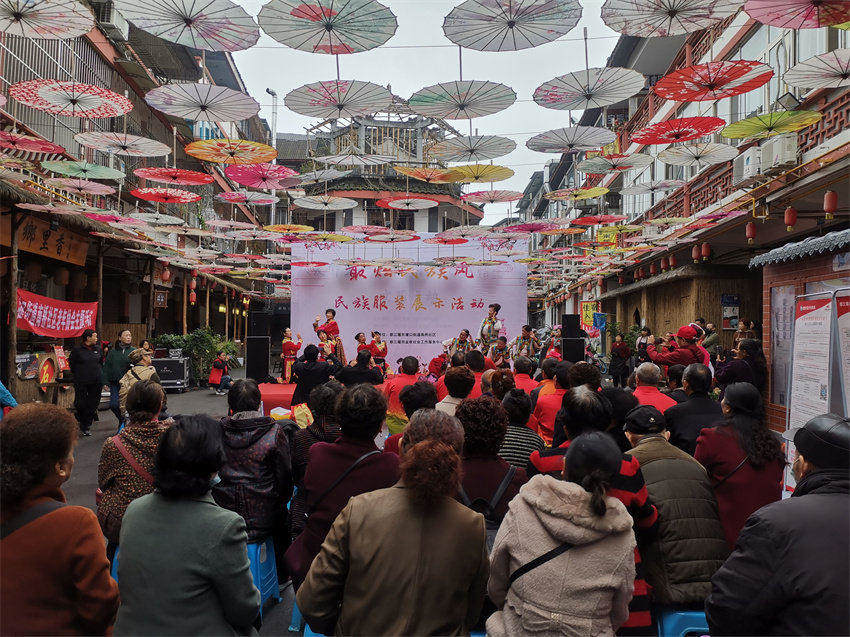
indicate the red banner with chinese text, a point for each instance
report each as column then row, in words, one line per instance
column 50, row 317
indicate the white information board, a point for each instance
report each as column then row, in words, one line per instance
column 842, row 328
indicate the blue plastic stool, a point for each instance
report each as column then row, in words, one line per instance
column 264, row 571
column 477, row 634
column 681, row 623
column 114, row 570
column 296, row 620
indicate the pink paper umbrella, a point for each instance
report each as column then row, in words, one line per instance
column 799, row 14
column 79, row 186
column 104, row 218
column 259, row 175
column 70, row 99
column 174, row 176
column 28, row 144
column 530, row 226
column 165, row 195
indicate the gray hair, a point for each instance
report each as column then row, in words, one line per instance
column 648, row 374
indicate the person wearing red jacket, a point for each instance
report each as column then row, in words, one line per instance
column 684, row 353
column 378, row 348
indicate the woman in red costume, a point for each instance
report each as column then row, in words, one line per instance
column 290, row 353
column 331, row 330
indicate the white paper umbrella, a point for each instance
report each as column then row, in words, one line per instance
column 229, row 224
column 45, row 19
column 652, row 187
column 463, row 99
column 492, row 196
column 412, row 203
column 122, row 144
column 592, row 88
column 335, row 99
column 659, row 18
column 202, row 102
column 829, row 70
column 79, row 186
column 318, row 176
column 325, row 202
column 706, row 153
column 157, row 219
column 473, row 149
column 510, row 25
column 613, row 163
column 70, row 99
column 212, row 25
column 465, row 232
column 571, row 139
column 355, row 159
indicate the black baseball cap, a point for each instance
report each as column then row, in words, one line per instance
column 645, row 419
column 824, row 441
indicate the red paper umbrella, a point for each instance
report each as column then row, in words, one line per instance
column 308, row 264
column 28, row 144
column 104, row 218
column 165, row 195
column 595, row 220
column 713, row 81
column 678, row 130
column 259, row 175
column 799, row 14
column 174, row 176
column 215, row 269
column 446, row 241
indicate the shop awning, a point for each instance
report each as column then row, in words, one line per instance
column 807, row 247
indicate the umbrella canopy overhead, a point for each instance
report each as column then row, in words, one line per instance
column 248, row 197
column 45, row 19
column 428, row 174
column 576, row 194
column 79, row 186
column 165, row 195
column 463, row 99
column 28, row 144
column 122, row 144
column 707, row 153
column 592, row 88
column 412, row 203
column 613, row 163
column 571, row 139
column 480, row 173
column 353, row 158
column 202, row 102
column 510, row 25
column 174, row 176
column 652, row 187
column 474, row 148
column 829, row 70
column 678, row 130
column 158, row 219
column 325, row 202
column 337, row 99
column 259, row 175
column 70, row 99
column 799, row 14
column 231, row 151
column 660, row 18
column 713, row 80
column 82, row 169
column 770, row 124
column 492, row 196
column 318, row 176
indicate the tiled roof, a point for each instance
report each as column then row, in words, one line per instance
column 807, row 247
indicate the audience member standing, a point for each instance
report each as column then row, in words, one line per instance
column 547, row 380
column 85, row 363
column 523, row 368
column 520, row 440
column 140, row 369
column 396, row 419
column 457, row 360
column 311, row 373
column 686, row 419
column 747, row 366
column 114, row 367
column 648, row 377
column 680, row 350
column 619, row 367
column 674, row 383
column 54, row 575
column 458, row 382
column 477, row 363
column 548, row 405
column 364, row 370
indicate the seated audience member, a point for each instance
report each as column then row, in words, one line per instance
column 409, row 374
column 523, row 368
column 364, row 370
column 520, row 441
column 311, row 372
column 583, row 550
column 743, row 458
column 688, row 418
column 54, row 575
column 125, row 470
column 406, row 560
column 256, row 478
column 583, row 373
column 458, row 359
column 419, row 395
column 547, row 382
column 339, row 470
column 648, row 377
column 674, row 383
column 789, row 571
column 622, row 402
column 183, row 565
column 550, row 404
column 475, row 361
column 680, row 561
column 486, row 378
column 459, row 382
column 501, row 382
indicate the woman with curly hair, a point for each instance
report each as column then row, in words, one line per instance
column 55, row 575
column 743, row 458
column 407, row 560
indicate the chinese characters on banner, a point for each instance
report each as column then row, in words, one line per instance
column 38, row 237
column 49, row 317
column 587, row 310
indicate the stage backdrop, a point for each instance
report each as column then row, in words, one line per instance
column 414, row 307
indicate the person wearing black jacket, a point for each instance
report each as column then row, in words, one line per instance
column 364, row 370
column 85, row 363
column 686, row 419
column 311, row 372
column 789, row 572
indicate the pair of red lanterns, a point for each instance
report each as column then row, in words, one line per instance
column 701, row 251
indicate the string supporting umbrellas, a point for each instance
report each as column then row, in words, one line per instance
column 700, row 153
column 337, row 99
column 713, row 80
column 70, row 99
column 122, row 144
column 571, row 139
column 829, row 70
column 474, row 148
column 661, row 18
column 45, row 19
column 202, row 102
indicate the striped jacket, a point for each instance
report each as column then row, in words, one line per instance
column 519, row 443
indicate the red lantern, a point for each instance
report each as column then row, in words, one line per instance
column 194, row 274
column 790, row 218
column 641, row 273
column 192, row 297
column 705, row 250
column 830, row 203
column 193, row 284
column 663, row 264
column 695, row 253
column 653, row 269
column 751, row 232
column 621, row 279
column 166, row 274
column 672, row 261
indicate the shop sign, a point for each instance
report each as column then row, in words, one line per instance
column 61, row 358
column 587, row 309
column 40, row 237
column 46, row 369
column 160, row 298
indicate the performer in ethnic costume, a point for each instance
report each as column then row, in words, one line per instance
column 326, row 345
column 331, row 329
column 500, row 353
column 526, row 344
column 378, row 348
column 462, row 344
column 290, row 353
column 490, row 327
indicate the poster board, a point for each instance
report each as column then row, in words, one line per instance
column 586, row 311
column 842, row 330
column 730, row 307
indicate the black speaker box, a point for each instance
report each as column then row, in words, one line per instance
column 570, row 326
column 572, row 349
column 257, row 357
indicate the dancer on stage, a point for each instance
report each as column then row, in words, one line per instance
column 360, row 338
column 378, row 348
column 526, row 344
column 290, row 353
column 490, row 327
column 326, row 346
column 331, row 330
column 462, row 344
column 500, row 353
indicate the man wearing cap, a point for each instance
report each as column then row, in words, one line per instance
column 690, row 545
column 685, row 350
column 790, row 571
column 647, row 377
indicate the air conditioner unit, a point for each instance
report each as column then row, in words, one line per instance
column 779, row 153
column 113, row 23
column 746, row 167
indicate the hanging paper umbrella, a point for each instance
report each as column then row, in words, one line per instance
column 571, row 139
column 287, row 228
column 474, row 148
column 652, row 187
column 7, row 161
column 660, row 18
column 174, row 176
column 595, row 220
column 79, row 186
column 528, row 226
column 510, row 25
column 103, row 217
column 212, row 25
column 45, row 19
column 82, row 169
column 412, row 203
column 492, row 196
column 665, row 221
column 463, row 99
column 830, row 70
column 391, row 237
column 353, row 158
column 696, row 154
column 613, row 163
column 480, row 173
column 214, row 269
column 202, row 102
column 464, row 232
column 428, row 174
column 165, row 195
column 318, row 176
column 248, row 197
column 678, row 130
column 12, row 175
column 288, row 239
column 337, row 99
column 798, row 14
column 364, row 229
column 122, row 144
column 308, row 264
column 576, row 194
column 229, row 224
column 325, row 202
column 325, row 26
column 28, row 143
column 158, row 219
column 328, row 237
column 258, row 175
column 192, row 232
column 446, row 241
column 251, row 234
column 770, row 124
column 231, row 151
column 713, row 80
column 563, row 231
column 592, row 88
column 70, row 99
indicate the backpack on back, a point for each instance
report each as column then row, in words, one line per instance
column 487, row 508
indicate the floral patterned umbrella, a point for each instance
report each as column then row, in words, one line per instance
column 70, row 99
column 158, row 219
column 475, row 148
column 428, row 174
column 229, row 224
column 28, row 144
column 308, row 264
column 464, row 232
column 82, row 169
column 595, row 220
column 337, row 99
column 215, row 269
column 699, row 153
column 79, row 186
column 660, row 18
column 591, row 88
column 571, row 139
column 446, row 241
column 165, row 195
column 318, row 176
column 248, row 197
column 211, row 25
column 231, row 151
column 829, row 70
column 613, row 163
column 202, row 102
column 528, row 226
column 492, row 196
column 799, row 14
column 353, row 158
column 678, row 130
column 480, row 173
column 251, row 234
column 324, row 202
column 328, row 237
column 713, row 80
column 665, row 221
column 45, row 19
column 326, row 26
column 259, row 175
column 54, row 208
column 463, row 99
column 174, row 176
column 576, row 194
column 563, row 231
column 411, row 203
column 122, row 144
column 287, row 228
column 7, row 161
column 391, row 237
column 651, row 187
column 770, row 124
